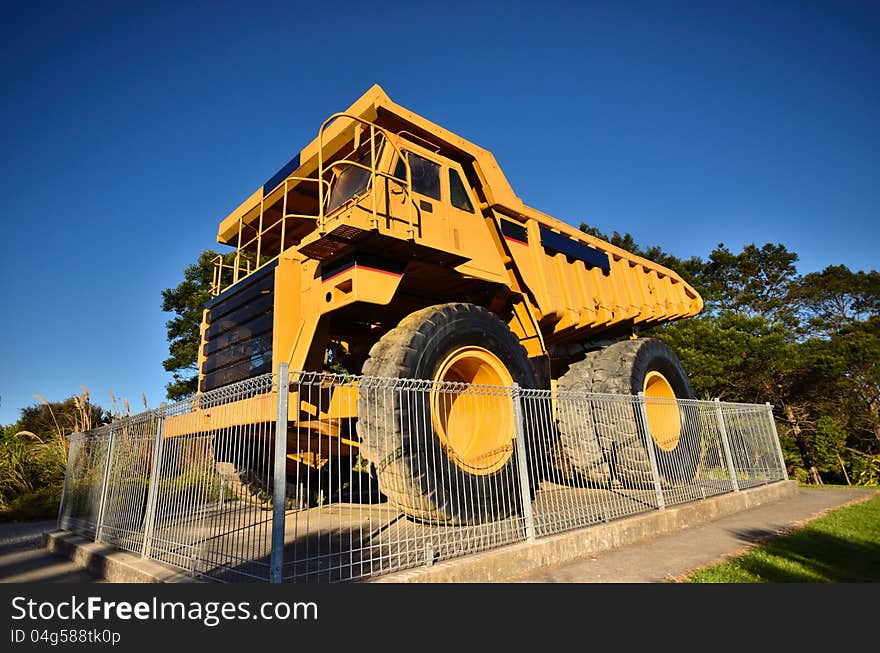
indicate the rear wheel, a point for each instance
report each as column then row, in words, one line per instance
column 444, row 451
column 649, row 366
column 579, row 443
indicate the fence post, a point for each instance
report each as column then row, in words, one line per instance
column 649, row 446
column 152, row 491
column 99, row 527
column 725, row 442
column 778, row 442
column 522, row 464
column 66, row 488
column 279, row 484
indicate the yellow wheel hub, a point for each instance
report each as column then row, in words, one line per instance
column 664, row 420
column 476, row 426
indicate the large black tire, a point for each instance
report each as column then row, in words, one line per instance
column 621, row 368
column 579, row 446
column 395, row 425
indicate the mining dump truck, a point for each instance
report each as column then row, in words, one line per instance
column 394, row 248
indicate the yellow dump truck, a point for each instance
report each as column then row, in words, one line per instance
column 398, row 249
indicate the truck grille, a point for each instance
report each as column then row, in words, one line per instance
column 238, row 335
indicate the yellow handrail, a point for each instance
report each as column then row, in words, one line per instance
column 374, row 171
column 242, row 267
column 217, row 277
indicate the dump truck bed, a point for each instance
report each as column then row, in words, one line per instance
column 583, row 284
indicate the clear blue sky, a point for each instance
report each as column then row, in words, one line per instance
column 129, row 130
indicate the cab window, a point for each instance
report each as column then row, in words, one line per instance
column 351, row 181
column 425, row 175
column 458, row 196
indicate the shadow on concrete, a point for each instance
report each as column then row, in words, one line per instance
column 349, row 542
column 29, row 561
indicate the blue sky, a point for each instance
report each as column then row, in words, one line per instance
column 130, row 130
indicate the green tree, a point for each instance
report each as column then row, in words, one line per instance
column 836, row 298
column 57, row 419
column 856, row 352
column 757, row 282
column 827, row 443
column 730, row 356
column 187, row 301
column 839, row 314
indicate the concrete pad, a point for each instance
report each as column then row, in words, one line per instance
column 111, row 564
column 24, row 559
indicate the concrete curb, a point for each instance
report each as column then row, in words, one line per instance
column 106, row 562
column 498, row 565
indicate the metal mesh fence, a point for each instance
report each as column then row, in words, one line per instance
column 377, row 475
column 407, row 497
column 84, row 481
column 127, row 480
column 572, row 480
column 212, row 511
column 753, row 439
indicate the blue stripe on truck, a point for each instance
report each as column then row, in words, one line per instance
column 281, row 175
column 565, row 245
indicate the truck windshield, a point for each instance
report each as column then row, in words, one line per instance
column 351, row 181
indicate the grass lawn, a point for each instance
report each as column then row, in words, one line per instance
column 840, row 547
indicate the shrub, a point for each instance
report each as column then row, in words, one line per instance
column 40, row 504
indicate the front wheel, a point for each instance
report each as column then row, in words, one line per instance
column 443, row 446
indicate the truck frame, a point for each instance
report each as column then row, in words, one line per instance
column 392, row 247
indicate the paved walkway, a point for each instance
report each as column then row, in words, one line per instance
column 665, row 558
column 23, row 559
